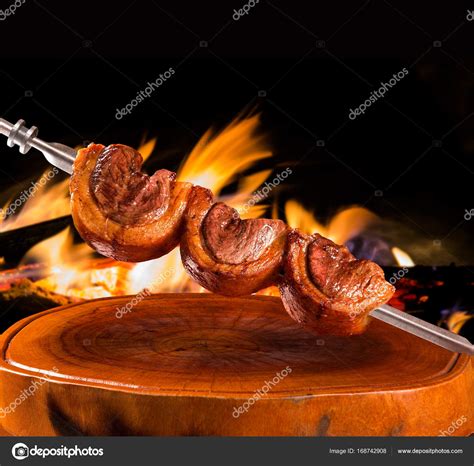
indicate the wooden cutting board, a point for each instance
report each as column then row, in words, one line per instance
column 183, row 364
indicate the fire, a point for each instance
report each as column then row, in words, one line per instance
column 146, row 148
column 216, row 162
column 402, row 258
column 342, row 227
column 55, row 197
column 345, row 225
column 457, row 319
column 58, row 249
column 73, row 270
column 217, row 159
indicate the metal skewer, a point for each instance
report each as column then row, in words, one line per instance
column 411, row 324
column 62, row 157
column 56, row 154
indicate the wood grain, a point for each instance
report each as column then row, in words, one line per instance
column 178, row 364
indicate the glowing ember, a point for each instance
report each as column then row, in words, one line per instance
column 72, row 269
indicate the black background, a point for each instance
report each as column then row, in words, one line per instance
column 67, row 66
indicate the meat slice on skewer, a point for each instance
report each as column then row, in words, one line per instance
column 225, row 254
column 325, row 288
column 122, row 212
column 130, row 216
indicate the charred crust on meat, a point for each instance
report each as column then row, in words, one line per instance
column 326, row 289
column 128, row 215
column 228, row 255
column 120, row 211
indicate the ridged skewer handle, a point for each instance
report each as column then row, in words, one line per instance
column 56, row 154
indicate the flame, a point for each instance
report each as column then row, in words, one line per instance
column 298, row 217
column 457, row 319
column 146, row 148
column 217, row 159
column 342, row 227
column 248, row 186
column 71, row 270
column 215, row 162
column 58, row 249
column 55, row 197
column 402, row 258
